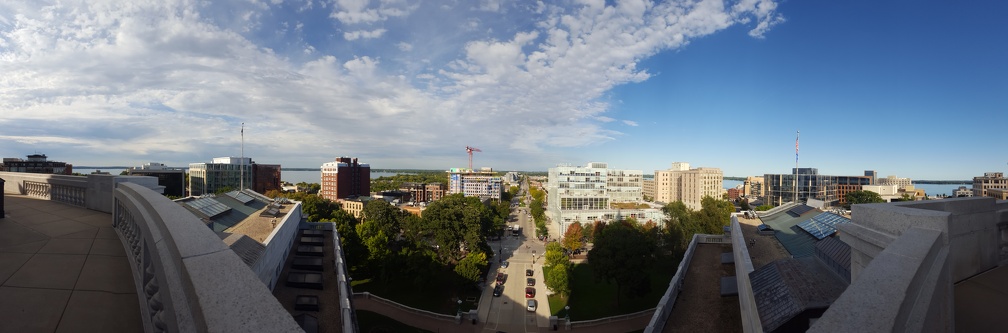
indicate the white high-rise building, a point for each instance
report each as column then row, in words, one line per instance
column 587, row 193
column 680, row 183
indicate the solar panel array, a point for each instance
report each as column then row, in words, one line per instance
column 208, row 206
column 240, row 196
column 823, row 225
column 799, row 210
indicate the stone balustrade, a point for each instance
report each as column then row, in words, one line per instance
column 186, row 278
column 92, row 191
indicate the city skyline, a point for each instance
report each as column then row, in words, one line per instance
column 402, row 84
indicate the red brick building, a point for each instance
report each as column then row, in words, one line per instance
column 345, row 178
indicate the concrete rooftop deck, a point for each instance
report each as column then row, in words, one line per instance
column 63, row 269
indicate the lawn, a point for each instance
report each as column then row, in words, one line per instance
column 439, row 295
column 370, row 322
column 592, row 299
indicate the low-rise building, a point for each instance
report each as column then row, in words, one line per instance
column 36, row 163
column 173, row 179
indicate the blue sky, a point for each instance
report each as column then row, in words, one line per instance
column 914, row 89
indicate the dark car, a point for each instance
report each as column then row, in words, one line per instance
column 529, row 292
column 528, row 272
column 501, row 277
column 498, row 290
column 530, row 282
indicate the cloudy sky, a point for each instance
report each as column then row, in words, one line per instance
column 915, row 89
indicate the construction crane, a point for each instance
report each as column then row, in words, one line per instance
column 470, row 150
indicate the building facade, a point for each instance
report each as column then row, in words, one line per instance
column 36, row 163
column 421, row 192
column 832, row 190
column 901, row 183
column 753, row 187
column 582, row 194
column 344, row 178
column 221, row 174
column 173, row 179
column 648, row 188
column 265, row 177
column 690, row 186
column 962, row 192
column 990, row 180
column 470, row 183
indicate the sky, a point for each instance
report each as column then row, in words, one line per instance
column 915, row 89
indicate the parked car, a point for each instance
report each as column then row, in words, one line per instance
column 529, row 292
column 505, row 264
column 529, row 272
column 498, row 290
column 530, row 282
column 531, row 305
column 501, row 277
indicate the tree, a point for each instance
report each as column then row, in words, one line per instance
column 572, row 237
column 861, row 197
column 744, row 204
column 624, row 256
column 554, row 255
column 558, row 279
column 763, row 208
column 588, row 231
column 457, row 224
column 471, row 267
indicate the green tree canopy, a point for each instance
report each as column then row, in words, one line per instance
column 554, row 255
column 558, row 279
column 471, row 267
column 623, row 255
column 457, row 224
column 861, row 197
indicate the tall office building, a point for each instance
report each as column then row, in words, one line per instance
column 990, row 180
column 680, row 183
column 223, row 173
column 36, row 163
column 345, row 177
column 173, row 179
column 471, row 183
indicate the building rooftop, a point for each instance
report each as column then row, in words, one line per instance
column 785, row 289
column 63, row 267
column 700, row 307
column 798, row 242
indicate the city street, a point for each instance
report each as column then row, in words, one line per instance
column 508, row 313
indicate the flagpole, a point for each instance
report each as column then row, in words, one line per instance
column 797, row 135
column 241, row 183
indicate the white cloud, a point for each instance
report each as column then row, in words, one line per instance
column 167, row 81
column 363, row 34
column 363, row 11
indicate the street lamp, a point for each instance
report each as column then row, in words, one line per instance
column 459, row 306
column 567, row 309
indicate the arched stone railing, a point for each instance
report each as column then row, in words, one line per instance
column 187, row 280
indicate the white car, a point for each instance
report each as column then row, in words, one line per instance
column 531, row 305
